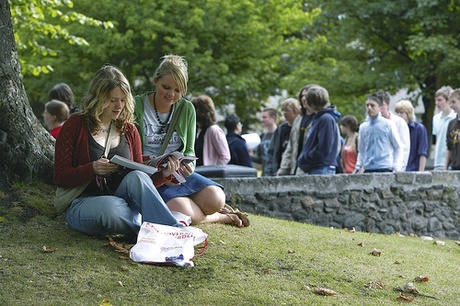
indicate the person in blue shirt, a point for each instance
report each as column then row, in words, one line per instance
column 418, row 136
column 239, row 154
column 379, row 146
column 320, row 153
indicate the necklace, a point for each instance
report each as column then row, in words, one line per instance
column 163, row 124
column 104, row 130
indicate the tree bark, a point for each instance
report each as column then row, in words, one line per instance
column 26, row 148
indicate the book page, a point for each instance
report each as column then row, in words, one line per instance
column 127, row 163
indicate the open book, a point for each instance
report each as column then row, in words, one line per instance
column 127, row 163
column 159, row 162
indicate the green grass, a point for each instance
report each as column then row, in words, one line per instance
column 272, row 262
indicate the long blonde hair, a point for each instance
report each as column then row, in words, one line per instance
column 177, row 67
column 98, row 97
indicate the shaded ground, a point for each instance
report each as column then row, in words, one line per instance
column 21, row 202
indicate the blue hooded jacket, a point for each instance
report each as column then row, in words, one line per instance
column 323, row 141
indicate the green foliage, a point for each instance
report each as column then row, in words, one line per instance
column 37, row 23
column 401, row 44
column 235, row 49
column 241, row 52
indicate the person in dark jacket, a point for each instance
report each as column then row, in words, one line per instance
column 319, row 154
column 280, row 139
column 237, row 145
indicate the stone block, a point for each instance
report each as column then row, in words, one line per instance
column 353, row 220
column 434, row 225
column 430, row 205
column 331, row 203
column 307, row 201
column 448, row 226
column 419, row 223
column 424, row 178
column 405, row 177
column 386, row 193
column 434, row 194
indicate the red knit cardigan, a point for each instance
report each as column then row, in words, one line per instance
column 72, row 164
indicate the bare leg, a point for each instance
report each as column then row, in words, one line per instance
column 203, row 206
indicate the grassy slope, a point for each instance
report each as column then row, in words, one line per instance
column 273, row 262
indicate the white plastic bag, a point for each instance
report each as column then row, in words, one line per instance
column 182, row 218
column 169, row 245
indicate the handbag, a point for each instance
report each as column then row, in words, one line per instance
column 65, row 196
column 168, row 245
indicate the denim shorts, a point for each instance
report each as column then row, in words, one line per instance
column 194, row 183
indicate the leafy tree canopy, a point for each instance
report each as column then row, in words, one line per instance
column 241, row 52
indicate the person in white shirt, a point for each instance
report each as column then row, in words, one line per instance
column 379, row 146
column 401, row 126
column 440, row 122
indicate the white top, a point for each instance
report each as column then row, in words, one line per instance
column 155, row 133
column 404, row 136
column 440, row 124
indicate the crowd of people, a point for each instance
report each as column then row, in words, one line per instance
column 316, row 139
column 311, row 138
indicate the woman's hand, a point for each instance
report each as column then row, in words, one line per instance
column 171, row 166
column 103, row 167
column 185, row 169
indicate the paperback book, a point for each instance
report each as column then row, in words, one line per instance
column 159, row 162
column 127, row 163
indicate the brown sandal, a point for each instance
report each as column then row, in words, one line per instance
column 241, row 220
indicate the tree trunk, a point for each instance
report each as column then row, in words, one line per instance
column 26, row 148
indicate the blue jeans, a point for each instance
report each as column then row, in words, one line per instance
column 136, row 197
column 323, row 170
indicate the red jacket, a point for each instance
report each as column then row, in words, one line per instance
column 72, row 164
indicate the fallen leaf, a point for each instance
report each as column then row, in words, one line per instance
column 376, row 252
column 352, row 230
column 119, row 247
column 48, row 249
column 457, row 242
column 120, row 283
column 266, row 271
column 397, row 262
column 360, row 244
column 421, row 279
column 374, row 285
column 405, row 298
column 439, row 242
column 324, row 291
column 105, row 302
column 291, row 252
column 306, row 287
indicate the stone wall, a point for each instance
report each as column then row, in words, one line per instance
column 420, row 203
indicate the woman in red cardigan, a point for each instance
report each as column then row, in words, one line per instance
column 78, row 163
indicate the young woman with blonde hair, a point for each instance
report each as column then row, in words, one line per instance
column 198, row 197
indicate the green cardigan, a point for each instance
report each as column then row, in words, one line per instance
column 185, row 128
